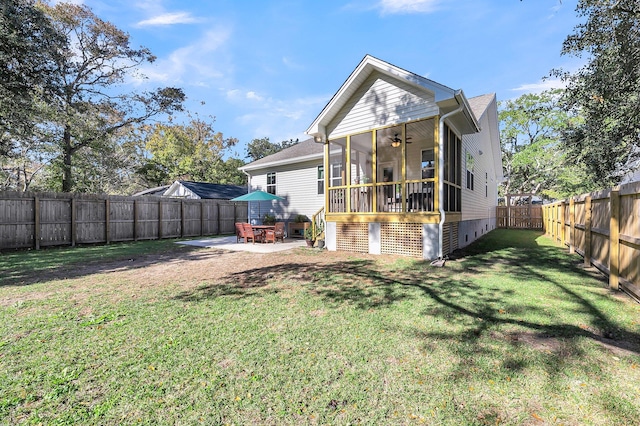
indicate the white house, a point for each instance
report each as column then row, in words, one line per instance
column 401, row 165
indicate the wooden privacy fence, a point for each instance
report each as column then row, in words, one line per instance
column 604, row 227
column 50, row 219
column 519, row 217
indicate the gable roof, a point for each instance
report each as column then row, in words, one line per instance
column 479, row 104
column 443, row 95
column 209, row 190
column 305, row 150
column 157, row 191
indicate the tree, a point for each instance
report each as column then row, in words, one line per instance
column 87, row 111
column 532, row 156
column 260, row 148
column 606, row 91
column 192, row 151
column 29, row 49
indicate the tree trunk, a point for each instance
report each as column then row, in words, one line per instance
column 66, row 160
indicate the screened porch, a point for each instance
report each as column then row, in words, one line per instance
column 392, row 171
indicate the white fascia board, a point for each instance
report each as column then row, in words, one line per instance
column 292, row 160
column 364, row 68
column 172, row 189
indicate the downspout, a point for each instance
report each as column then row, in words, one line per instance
column 248, row 191
column 441, row 174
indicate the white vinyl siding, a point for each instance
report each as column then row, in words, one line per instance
column 480, row 203
column 381, row 101
column 297, row 184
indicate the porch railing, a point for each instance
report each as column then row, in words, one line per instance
column 418, row 197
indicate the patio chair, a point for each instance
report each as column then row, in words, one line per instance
column 251, row 234
column 275, row 234
column 239, row 232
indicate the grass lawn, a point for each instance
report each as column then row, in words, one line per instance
column 513, row 332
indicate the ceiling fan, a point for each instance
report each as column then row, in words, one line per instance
column 396, row 140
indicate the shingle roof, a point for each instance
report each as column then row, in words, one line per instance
column 302, row 149
column 214, row 190
column 480, row 103
column 158, row 190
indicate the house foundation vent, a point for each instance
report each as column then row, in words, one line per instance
column 352, row 237
column 449, row 237
column 401, row 238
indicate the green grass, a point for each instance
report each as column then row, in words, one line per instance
column 514, row 332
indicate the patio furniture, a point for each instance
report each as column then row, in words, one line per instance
column 248, row 233
column 275, row 234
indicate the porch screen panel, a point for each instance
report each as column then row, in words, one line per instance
column 337, row 178
column 452, row 171
column 361, row 172
column 389, row 169
column 420, row 166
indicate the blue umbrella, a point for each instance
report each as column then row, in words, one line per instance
column 257, row 196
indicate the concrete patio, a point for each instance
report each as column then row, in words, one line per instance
column 230, row 243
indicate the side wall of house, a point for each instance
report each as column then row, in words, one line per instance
column 479, row 204
column 381, row 101
column 296, row 183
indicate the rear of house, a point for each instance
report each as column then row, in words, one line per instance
column 408, row 166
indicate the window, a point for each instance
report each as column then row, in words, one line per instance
column 470, row 166
column 336, row 174
column 320, row 180
column 271, row 183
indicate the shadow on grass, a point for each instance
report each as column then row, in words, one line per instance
column 25, row 267
column 458, row 293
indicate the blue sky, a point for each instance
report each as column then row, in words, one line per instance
column 267, row 68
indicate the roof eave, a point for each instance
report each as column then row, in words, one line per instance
column 292, row 160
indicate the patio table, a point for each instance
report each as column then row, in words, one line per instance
column 262, row 229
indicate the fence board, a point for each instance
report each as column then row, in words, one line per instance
column 608, row 238
column 50, row 219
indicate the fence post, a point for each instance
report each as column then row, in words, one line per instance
column 614, row 239
column 587, row 231
column 563, row 236
column 135, row 220
column 36, row 225
column 201, row 217
column 107, row 220
column 572, row 225
column 182, row 218
column 218, row 217
column 160, row 219
column 74, row 220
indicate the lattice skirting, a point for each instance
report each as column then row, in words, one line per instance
column 449, row 237
column 352, row 237
column 401, row 238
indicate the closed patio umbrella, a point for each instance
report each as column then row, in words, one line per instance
column 257, row 196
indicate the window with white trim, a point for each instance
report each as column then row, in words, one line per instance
column 320, row 180
column 470, row 167
column 271, row 183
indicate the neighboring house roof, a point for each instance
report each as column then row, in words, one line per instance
column 211, row 190
column 198, row 189
column 158, row 191
column 305, row 150
column 446, row 97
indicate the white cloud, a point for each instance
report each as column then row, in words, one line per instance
column 391, row 7
column 194, row 64
column 541, row 86
column 168, row 19
column 282, row 119
column 254, row 96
